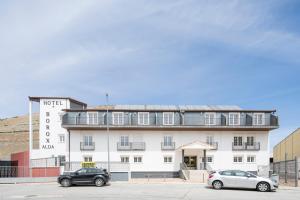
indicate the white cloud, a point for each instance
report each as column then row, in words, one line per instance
column 90, row 46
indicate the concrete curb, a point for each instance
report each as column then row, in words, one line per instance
column 27, row 180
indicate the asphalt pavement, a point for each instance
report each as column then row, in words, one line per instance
column 138, row 191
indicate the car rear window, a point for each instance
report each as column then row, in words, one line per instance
column 226, row 173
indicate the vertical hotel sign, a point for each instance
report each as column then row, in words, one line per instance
column 50, row 121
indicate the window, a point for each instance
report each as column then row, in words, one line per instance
column 210, row 139
column 250, row 141
column 234, row 119
column 87, row 158
column 124, row 140
column 143, row 118
column 240, row 173
column 226, row 173
column 168, row 159
column 118, row 118
column 61, row 138
column 124, row 159
column 92, row 118
column 88, row 140
column 82, row 171
column 238, row 141
column 168, row 141
column 238, row 159
column 209, row 159
column 250, row 159
column 137, row 159
column 258, row 118
column 210, row 118
column 168, row 118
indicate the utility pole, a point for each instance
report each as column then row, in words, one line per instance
column 107, row 131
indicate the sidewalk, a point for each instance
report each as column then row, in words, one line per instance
column 27, row 180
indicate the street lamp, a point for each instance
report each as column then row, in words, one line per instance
column 107, row 132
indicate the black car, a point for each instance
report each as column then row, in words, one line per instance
column 84, row 176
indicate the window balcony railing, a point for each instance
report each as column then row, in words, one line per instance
column 87, row 147
column 246, row 146
column 131, row 146
column 179, row 121
column 168, row 146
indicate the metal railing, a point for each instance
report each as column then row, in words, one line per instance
column 168, row 146
column 87, row 147
column 186, row 121
column 131, row 146
column 185, row 171
column 115, row 166
column 246, row 146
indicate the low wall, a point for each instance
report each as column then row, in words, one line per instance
column 45, row 172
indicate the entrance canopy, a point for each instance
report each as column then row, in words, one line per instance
column 197, row 145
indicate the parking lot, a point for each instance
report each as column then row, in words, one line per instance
column 137, row 191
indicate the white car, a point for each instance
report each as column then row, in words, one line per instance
column 240, row 179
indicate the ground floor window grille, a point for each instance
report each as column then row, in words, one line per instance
column 125, row 159
column 168, row 159
column 137, row 159
column 250, row 159
column 238, row 159
column 88, row 159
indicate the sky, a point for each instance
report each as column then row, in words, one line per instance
column 204, row 52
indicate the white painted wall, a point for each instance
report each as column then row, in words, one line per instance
column 153, row 155
column 50, row 128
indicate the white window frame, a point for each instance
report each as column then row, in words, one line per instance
column 145, row 119
column 88, row 156
column 167, row 158
column 137, row 158
column 232, row 123
column 168, row 140
column 59, row 138
column 247, row 140
column 210, row 118
column 255, row 119
column 237, row 157
column 238, row 136
column 120, row 119
column 123, row 143
column 124, row 157
column 254, row 160
column 210, row 139
column 172, row 118
column 94, row 120
column 208, row 156
column 90, row 140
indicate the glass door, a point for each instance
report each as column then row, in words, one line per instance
column 191, row 162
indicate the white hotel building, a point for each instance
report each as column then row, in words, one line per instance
column 154, row 140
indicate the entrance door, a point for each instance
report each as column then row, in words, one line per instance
column 191, row 162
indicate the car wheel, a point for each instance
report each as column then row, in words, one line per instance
column 99, row 182
column 65, row 182
column 263, row 187
column 217, row 185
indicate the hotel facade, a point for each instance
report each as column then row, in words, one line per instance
column 153, row 140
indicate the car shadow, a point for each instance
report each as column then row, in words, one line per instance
column 237, row 189
column 89, row 185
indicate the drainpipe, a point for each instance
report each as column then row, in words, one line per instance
column 182, row 156
column 30, row 137
column 204, row 151
column 107, row 131
column 69, row 146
